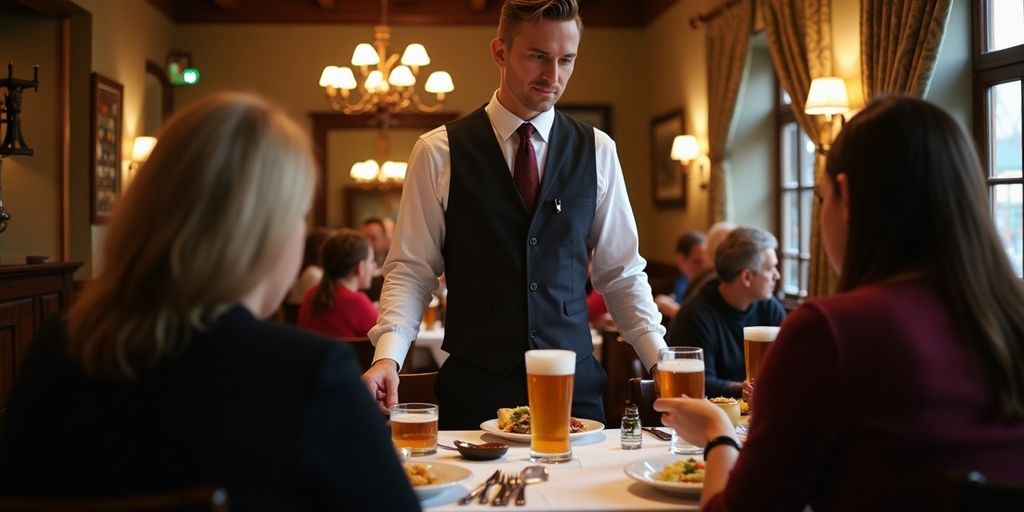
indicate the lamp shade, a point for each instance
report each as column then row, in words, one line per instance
column 402, row 76
column 685, row 148
column 415, row 55
column 142, row 147
column 394, row 170
column 365, row 55
column 328, row 75
column 827, row 96
column 439, row 82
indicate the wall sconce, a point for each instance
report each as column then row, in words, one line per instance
column 686, row 149
column 827, row 96
column 141, row 149
column 14, row 139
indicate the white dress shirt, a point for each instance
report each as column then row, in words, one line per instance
column 415, row 262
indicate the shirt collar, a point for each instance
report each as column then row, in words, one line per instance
column 506, row 123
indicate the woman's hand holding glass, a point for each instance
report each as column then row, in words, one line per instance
column 696, row 420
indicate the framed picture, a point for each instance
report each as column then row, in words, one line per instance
column 105, row 122
column 366, row 201
column 668, row 181
column 597, row 115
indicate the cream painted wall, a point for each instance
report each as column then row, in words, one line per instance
column 125, row 33
column 676, row 78
column 30, row 183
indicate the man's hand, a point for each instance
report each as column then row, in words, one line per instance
column 748, row 392
column 382, row 380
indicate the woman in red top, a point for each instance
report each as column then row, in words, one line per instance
column 336, row 307
column 870, row 398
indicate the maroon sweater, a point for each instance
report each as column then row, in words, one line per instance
column 864, row 400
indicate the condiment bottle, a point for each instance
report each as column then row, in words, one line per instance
column 630, row 431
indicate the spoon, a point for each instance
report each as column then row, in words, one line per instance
column 530, row 475
column 446, row 447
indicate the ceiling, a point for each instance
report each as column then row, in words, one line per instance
column 618, row 13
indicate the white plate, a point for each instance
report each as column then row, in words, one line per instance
column 449, row 475
column 589, row 427
column 644, row 470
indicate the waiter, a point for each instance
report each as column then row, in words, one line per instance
column 508, row 202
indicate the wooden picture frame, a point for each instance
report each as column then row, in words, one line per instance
column 598, row 115
column 105, row 121
column 668, row 181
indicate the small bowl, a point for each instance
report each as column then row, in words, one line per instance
column 485, row 451
column 731, row 406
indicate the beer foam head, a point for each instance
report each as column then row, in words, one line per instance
column 760, row 333
column 550, row 362
column 406, row 417
column 681, row 365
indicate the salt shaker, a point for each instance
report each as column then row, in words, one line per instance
column 630, row 431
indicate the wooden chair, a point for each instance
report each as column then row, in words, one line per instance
column 643, row 393
column 193, row 499
column 621, row 364
column 417, row 387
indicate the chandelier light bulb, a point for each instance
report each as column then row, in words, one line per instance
column 365, row 55
column 344, row 79
column 328, row 76
column 394, row 170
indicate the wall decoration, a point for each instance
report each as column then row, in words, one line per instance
column 597, row 115
column 105, row 121
column 668, row 181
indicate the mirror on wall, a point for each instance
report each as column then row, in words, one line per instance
column 157, row 100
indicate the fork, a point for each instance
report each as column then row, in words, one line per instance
column 508, row 491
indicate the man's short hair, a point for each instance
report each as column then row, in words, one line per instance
column 688, row 241
column 515, row 12
column 743, row 248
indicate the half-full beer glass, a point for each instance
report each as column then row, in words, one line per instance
column 549, row 381
column 681, row 372
column 414, row 426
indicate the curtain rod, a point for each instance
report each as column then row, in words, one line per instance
column 701, row 19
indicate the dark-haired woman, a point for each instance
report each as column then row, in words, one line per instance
column 914, row 370
column 336, row 307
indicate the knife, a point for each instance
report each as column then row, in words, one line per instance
column 482, row 488
column 664, row 436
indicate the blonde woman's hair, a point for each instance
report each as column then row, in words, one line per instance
column 205, row 220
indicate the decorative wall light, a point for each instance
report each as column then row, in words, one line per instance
column 827, row 96
column 386, row 84
column 686, row 149
column 141, row 148
column 14, row 139
column 180, row 70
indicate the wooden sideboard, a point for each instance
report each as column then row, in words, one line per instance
column 28, row 295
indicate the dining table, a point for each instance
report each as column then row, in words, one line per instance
column 593, row 480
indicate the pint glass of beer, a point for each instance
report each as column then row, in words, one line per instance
column 549, row 380
column 414, row 426
column 756, row 342
column 681, row 372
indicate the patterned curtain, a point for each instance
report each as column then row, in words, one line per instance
column 799, row 34
column 728, row 41
column 899, row 44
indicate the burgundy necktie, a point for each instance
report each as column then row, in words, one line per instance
column 525, row 167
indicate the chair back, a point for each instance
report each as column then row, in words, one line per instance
column 417, row 387
column 364, row 350
column 643, row 393
column 620, row 364
column 193, row 499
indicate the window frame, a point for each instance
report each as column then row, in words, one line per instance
column 989, row 70
column 783, row 117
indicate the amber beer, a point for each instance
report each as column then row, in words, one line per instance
column 678, row 377
column 549, row 381
column 756, row 342
column 414, row 426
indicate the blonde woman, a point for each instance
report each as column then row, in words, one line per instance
column 163, row 374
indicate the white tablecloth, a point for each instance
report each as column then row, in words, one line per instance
column 432, row 338
column 592, row 480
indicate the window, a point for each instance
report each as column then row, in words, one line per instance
column 998, row 72
column 796, row 196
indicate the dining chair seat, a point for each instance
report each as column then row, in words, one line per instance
column 193, row 499
column 643, row 393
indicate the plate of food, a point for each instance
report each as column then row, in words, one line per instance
column 513, row 424
column 671, row 474
column 429, row 479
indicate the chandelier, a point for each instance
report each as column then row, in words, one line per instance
column 386, row 84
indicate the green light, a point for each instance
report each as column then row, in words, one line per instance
column 190, row 76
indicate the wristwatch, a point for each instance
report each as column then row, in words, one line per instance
column 718, row 441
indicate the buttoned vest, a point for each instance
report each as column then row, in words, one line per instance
column 516, row 279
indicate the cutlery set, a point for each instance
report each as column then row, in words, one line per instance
column 509, row 485
column 664, row 436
